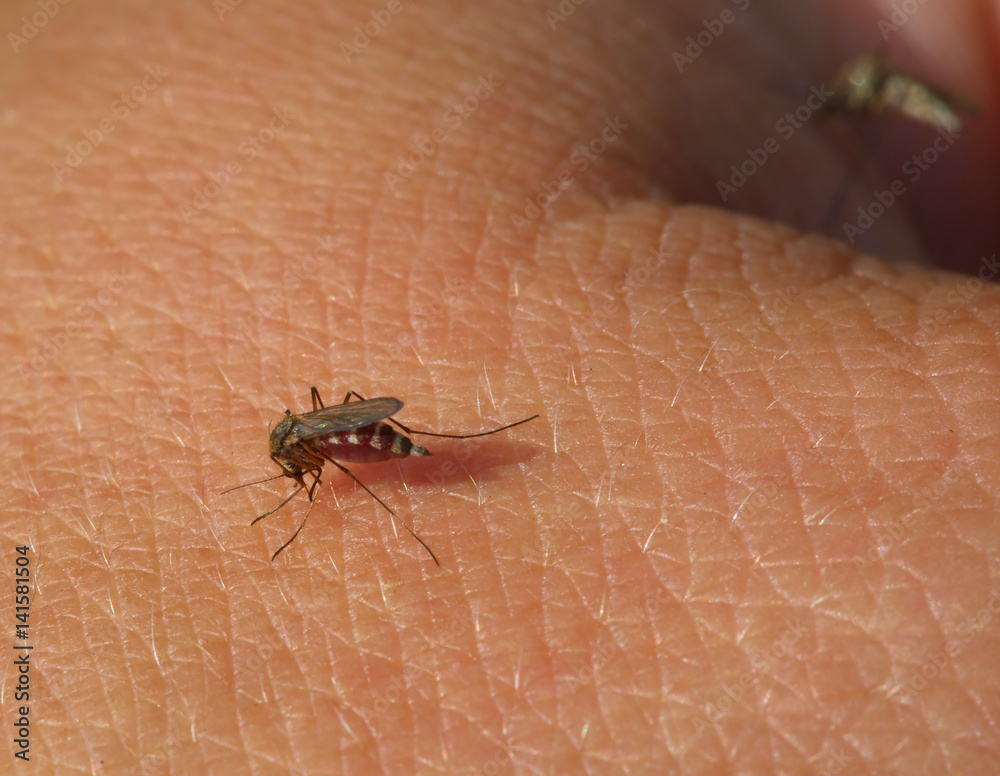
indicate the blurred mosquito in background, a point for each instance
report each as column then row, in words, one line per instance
column 869, row 84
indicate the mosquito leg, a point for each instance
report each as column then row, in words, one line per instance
column 851, row 178
column 461, row 436
column 266, row 514
column 297, row 530
column 317, row 402
column 409, row 530
column 409, row 430
column 312, row 488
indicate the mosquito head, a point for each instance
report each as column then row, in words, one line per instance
column 280, row 441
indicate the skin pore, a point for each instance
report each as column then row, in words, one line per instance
column 753, row 530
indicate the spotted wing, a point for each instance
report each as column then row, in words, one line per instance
column 344, row 417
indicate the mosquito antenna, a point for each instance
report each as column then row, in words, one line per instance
column 248, row 484
column 464, row 436
column 266, row 514
column 409, row 530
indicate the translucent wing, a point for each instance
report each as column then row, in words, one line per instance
column 344, row 417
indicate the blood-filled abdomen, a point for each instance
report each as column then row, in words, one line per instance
column 368, row 444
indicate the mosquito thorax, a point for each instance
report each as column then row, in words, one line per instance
column 279, row 437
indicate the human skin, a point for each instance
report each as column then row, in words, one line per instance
column 758, row 509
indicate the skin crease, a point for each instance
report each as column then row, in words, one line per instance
column 754, row 529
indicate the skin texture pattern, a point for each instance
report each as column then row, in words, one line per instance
column 754, row 529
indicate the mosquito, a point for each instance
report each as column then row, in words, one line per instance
column 353, row 432
column 870, row 84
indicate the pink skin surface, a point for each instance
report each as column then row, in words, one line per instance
column 754, row 530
